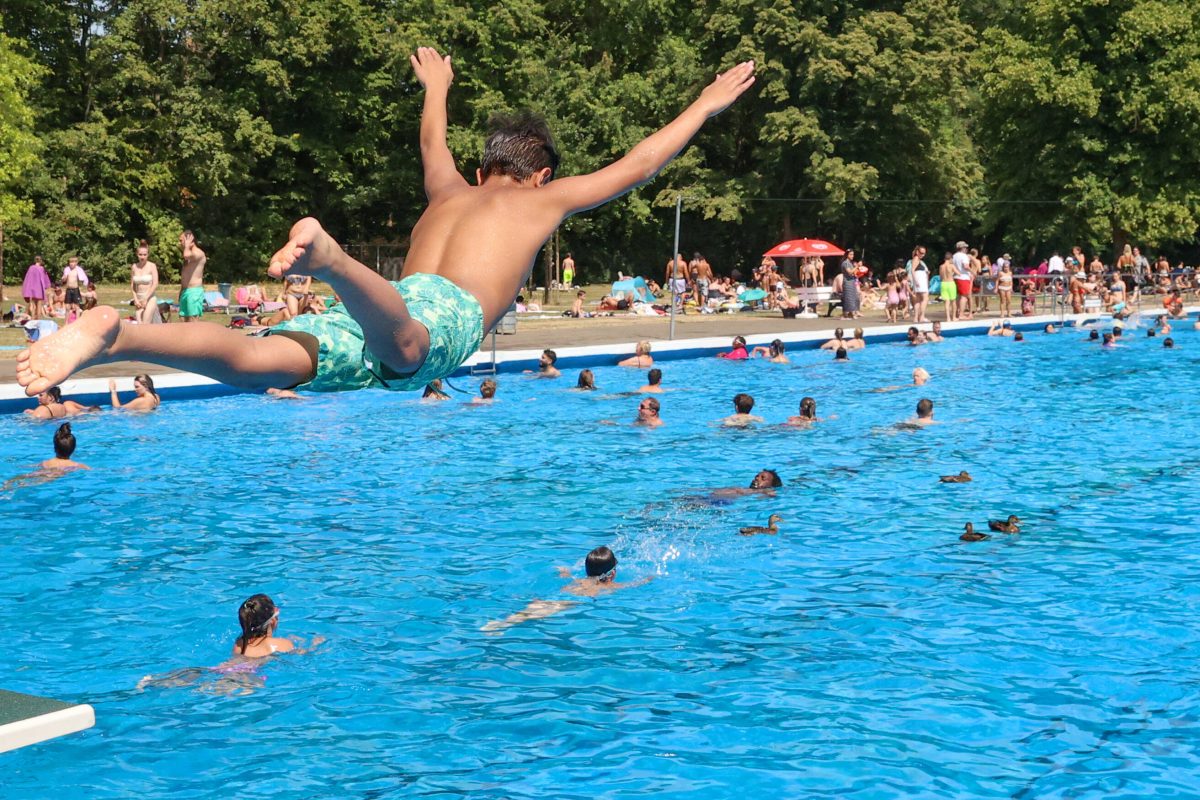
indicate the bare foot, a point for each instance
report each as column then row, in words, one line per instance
column 51, row 361
column 309, row 251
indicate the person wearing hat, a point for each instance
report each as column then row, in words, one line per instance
column 963, row 279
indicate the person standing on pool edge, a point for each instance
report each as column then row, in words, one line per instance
column 191, row 278
column 404, row 335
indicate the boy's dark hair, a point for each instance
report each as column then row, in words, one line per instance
column 1168, row 342
column 743, row 402
column 776, row 481
column 600, row 562
column 924, row 407
column 654, row 376
column 518, row 145
column 1094, row 335
column 840, row 355
column 550, row 354
column 64, row 441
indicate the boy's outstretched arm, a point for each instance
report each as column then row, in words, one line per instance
column 436, row 75
column 649, row 156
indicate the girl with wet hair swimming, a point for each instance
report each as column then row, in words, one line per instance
column 808, row 413
column 587, row 381
column 64, row 448
column 259, row 618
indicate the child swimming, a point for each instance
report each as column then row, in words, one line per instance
column 398, row 335
column 258, row 618
column 600, row 567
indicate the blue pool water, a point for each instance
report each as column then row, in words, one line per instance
column 863, row 653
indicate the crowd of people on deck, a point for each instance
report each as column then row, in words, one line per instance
column 965, row 282
column 50, row 303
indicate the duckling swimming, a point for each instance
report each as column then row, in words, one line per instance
column 1005, row 526
column 969, row 534
column 772, row 527
column 962, row 477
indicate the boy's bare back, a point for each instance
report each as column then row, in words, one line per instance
column 486, row 237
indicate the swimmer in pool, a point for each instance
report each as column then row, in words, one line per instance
column 743, row 404
column 919, row 378
column 841, row 355
column 653, row 382
column 546, row 368
column 64, row 448
column 924, row 415
column 258, row 618
column 999, row 328
column 648, row 413
column 601, row 569
column 764, row 483
column 398, row 336
column 774, row 352
column 487, row 393
column 808, row 414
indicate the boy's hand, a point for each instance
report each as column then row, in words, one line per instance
column 728, row 86
column 431, row 69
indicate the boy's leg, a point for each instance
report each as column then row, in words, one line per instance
column 392, row 336
column 98, row 337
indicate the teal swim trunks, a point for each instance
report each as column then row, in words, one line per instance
column 451, row 315
column 191, row 301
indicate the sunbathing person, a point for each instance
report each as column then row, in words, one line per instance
column 601, row 569
column 399, row 336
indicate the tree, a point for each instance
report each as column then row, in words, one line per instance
column 18, row 143
column 1091, row 109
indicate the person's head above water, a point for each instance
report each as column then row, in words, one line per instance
column 259, row 617
column 601, row 564
column 64, row 441
column 743, row 402
column 777, row 347
column 920, row 376
column 840, row 355
column 548, row 359
column 766, row 479
column 1150, row 333
column 519, row 146
column 808, row 408
column 587, row 380
column 52, row 395
column 924, row 408
column 487, row 389
column 1094, row 335
column 654, row 376
column 1018, row 337
column 1169, row 343
column 642, row 349
column 739, row 341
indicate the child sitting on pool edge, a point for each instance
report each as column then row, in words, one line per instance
column 401, row 335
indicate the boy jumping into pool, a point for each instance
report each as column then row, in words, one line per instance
column 470, row 252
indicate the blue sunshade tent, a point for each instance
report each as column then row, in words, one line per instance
column 634, row 286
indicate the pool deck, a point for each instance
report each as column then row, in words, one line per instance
column 578, row 342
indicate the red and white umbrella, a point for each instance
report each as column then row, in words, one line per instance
column 799, row 248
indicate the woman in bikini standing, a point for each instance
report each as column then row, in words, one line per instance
column 143, row 282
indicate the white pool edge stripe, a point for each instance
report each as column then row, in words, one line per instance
column 507, row 360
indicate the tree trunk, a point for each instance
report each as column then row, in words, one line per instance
column 1, row 263
column 1120, row 239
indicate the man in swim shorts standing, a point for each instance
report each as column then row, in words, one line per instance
column 191, row 278
column 400, row 335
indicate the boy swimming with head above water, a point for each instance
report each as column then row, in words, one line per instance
column 469, row 254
